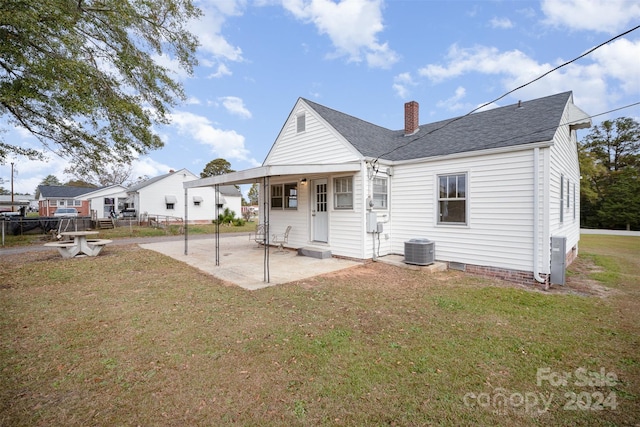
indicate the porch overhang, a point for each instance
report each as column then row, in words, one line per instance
column 250, row 176
column 261, row 175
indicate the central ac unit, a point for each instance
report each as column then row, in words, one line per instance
column 419, row 252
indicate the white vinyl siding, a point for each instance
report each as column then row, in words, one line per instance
column 318, row 144
column 564, row 174
column 151, row 200
column 499, row 228
column 346, row 226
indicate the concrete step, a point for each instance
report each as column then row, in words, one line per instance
column 319, row 253
column 398, row 261
column 105, row 223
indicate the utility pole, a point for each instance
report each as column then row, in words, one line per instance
column 11, row 186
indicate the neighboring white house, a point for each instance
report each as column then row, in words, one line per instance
column 490, row 189
column 164, row 195
column 104, row 200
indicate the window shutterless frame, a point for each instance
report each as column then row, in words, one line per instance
column 452, row 199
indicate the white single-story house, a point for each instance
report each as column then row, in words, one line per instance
column 491, row 189
column 104, row 200
column 165, row 196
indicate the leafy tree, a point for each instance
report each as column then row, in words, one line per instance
column 80, row 75
column 621, row 206
column 79, row 183
column 610, row 166
column 101, row 175
column 253, row 194
column 216, row 167
column 48, row 180
column 615, row 144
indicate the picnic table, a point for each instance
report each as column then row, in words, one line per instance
column 80, row 245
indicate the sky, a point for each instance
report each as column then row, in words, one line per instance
column 367, row 58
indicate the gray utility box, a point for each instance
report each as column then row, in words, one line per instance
column 558, row 260
column 419, row 252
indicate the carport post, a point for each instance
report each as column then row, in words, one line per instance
column 186, row 220
column 265, row 219
column 217, row 220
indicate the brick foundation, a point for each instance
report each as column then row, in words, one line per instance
column 513, row 276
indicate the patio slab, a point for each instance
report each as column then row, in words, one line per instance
column 242, row 261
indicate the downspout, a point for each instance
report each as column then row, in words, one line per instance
column 536, row 215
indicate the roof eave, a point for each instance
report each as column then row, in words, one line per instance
column 250, row 176
column 476, row 153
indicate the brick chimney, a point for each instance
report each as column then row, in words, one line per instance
column 411, row 119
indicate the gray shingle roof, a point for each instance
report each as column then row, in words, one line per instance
column 63, row 191
column 536, row 121
column 149, row 181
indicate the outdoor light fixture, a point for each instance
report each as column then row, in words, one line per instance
column 303, row 181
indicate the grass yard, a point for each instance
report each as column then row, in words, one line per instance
column 136, row 338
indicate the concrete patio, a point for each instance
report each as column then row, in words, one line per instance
column 242, row 261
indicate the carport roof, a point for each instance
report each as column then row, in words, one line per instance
column 249, row 176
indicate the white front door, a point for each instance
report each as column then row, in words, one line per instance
column 319, row 211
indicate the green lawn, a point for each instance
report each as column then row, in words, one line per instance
column 136, row 338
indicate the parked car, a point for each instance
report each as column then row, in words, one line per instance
column 65, row 212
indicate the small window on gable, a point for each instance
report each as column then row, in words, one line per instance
column 301, row 123
column 197, row 200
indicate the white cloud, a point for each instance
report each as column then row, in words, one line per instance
column 454, row 102
column 171, row 64
column 208, row 29
column 227, row 144
column 352, row 26
column 222, row 71
column 502, row 23
column 597, row 80
column 146, row 166
column 483, row 59
column 620, row 60
column 608, row 16
column 235, row 105
column 402, row 84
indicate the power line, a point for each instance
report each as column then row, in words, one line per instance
column 513, row 90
